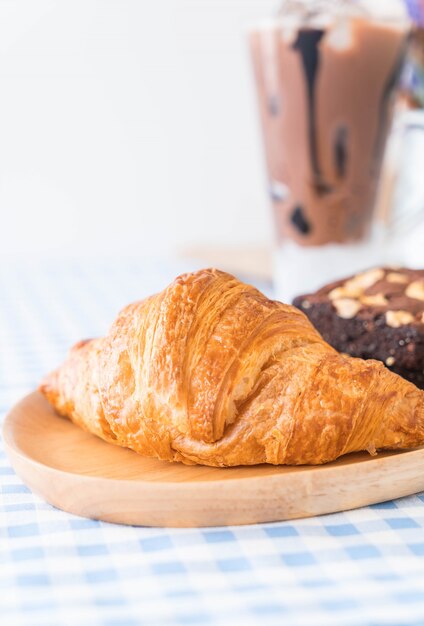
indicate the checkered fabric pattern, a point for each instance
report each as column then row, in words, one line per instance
column 364, row 567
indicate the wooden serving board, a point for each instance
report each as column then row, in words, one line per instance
column 79, row 473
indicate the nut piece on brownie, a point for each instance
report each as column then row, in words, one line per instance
column 377, row 314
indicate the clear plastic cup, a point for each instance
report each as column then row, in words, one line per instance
column 326, row 73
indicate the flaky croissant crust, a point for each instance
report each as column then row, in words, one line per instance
column 211, row 371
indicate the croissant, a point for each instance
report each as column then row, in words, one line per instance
column 210, row 371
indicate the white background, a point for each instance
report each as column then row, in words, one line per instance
column 128, row 126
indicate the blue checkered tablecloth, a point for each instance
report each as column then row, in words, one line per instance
column 362, row 567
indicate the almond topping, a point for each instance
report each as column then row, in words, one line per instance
column 354, row 287
column 378, row 300
column 365, row 280
column 346, row 307
column 342, row 292
column 395, row 319
column 396, row 277
column 416, row 290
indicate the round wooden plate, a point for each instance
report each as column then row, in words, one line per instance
column 82, row 474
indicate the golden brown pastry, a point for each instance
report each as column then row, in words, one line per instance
column 211, row 371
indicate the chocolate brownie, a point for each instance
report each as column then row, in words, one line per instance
column 378, row 314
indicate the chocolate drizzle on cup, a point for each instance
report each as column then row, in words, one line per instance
column 307, row 44
column 341, row 151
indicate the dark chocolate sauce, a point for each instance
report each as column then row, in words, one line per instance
column 341, row 151
column 307, row 43
column 299, row 221
column 321, row 186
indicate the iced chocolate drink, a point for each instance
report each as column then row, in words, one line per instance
column 326, row 72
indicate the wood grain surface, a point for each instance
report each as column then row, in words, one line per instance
column 79, row 473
